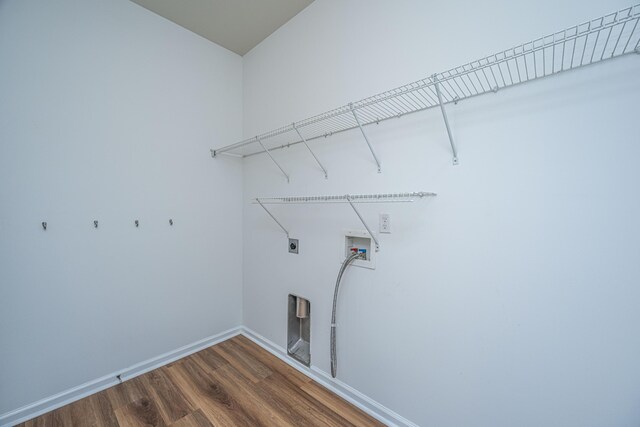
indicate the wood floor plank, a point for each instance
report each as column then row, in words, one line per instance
column 282, row 388
column 194, row 419
column 234, row 383
column 213, row 359
column 143, row 412
column 271, row 361
column 344, row 408
column 46, row 420
column 171, row 402
column 210, row 396
column 243, row 391
column 256, row 363
column 76, row 414
column 126, row 393
column 103, row 410
column 80, row 413
column 245, row 363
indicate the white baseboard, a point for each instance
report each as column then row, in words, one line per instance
column 351, row 395
column 76, row 393
column 368, row 405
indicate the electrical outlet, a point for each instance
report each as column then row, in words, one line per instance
column 385, row 223
column 293, row 246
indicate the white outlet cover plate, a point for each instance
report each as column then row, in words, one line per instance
column 385, row 223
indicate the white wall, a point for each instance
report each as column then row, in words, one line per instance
column 107, row 112
column 510, row 299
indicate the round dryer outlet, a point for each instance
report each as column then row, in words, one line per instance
column 293, row 246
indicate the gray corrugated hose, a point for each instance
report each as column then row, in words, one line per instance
column 334, row 359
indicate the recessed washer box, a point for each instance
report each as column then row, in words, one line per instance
column 299, row 329
column 361, row 240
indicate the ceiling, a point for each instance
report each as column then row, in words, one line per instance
column 238, row 25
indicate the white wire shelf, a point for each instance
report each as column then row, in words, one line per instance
column 351, row 199
column 354, row 198
column 607, row 37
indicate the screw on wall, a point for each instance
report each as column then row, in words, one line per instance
column 95, row 224
column 44, row 225
column 137, row 223
column 170, row 222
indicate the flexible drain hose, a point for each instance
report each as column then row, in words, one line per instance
column 334, row 358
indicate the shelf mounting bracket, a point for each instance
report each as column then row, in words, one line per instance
column 375, row 157
column 446, row 120
column 272, row 159
column 215, row 154
column 326, row 176
column 272, row 217
column 375, row 240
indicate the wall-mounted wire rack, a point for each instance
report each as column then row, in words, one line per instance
column 609, row 36
column 351, row 199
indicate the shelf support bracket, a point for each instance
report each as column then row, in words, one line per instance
column 375, row 157
column 326, row 176
column 272, row 159
column 348, row 197
column 446, row 120
column 272, row 217
column 214, row 154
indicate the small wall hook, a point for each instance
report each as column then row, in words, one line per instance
column 95, row 224
column 44, row 225
column 170, row 222
column 137, row 222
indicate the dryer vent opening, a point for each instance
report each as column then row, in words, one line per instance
column 299, row 329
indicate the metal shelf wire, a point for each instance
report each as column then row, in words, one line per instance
column 351, row 199
column 609, row 36
column 354, row 198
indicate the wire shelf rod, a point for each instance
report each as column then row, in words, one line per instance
column 373, row 153
column 310, row 151
column 364, row 223
column 272, row 216
column 446, row 122
column 272, row 159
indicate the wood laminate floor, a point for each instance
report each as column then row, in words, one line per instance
column 234, row 383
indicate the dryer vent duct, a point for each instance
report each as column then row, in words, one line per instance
column 302, row 308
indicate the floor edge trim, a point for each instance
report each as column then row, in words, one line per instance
column 351, row 395
column 73, row 394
